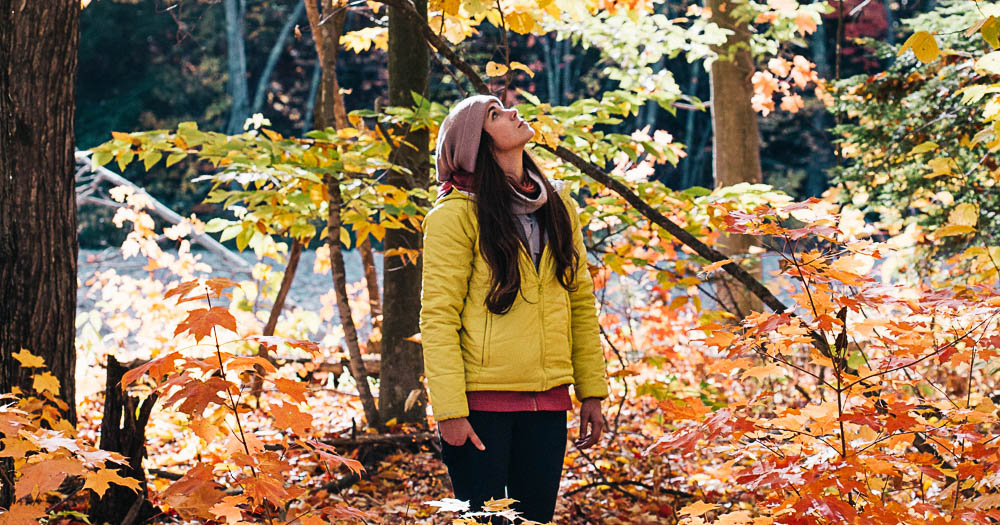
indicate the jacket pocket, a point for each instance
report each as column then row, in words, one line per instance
column 484, row 359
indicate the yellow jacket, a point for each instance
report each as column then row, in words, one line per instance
column 548, row 338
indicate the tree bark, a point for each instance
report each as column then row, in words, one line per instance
column 736, row 141
column 326, row 28
column 356, row 362
column 123, row 430
column 38, row 245
column 374, row 295
column 237, row 64
column 402, row 359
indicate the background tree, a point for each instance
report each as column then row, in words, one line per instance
column 38, row 246
column 735, row 139
column 402, row 359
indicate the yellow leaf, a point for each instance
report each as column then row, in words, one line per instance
column 924, row 147
column 45, row 381
column 952, row 229
column 989, row 64
column 495, row 70
column 714, row 266
column 924, row 46
column 965, row 214
column 497, row 505
column 522, row 67
column 450, row 7
column 698, row 508
column 29, row 360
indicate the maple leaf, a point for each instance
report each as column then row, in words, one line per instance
column 16, row 448
column 195, row 493
column 45, row 381
column 228, row 510
column 98, row 481
column 197, row 395
column 449, row 505
column 43, row 476
column 242, row 364
column 24, row 514
column 292, row 388
column 157, row 368
column 698, row 508
column 200, row 321
column 28, row 360
column 218, row 284
column 181, row 290
column 762, row 372
column 328, row 453
column 289, row 416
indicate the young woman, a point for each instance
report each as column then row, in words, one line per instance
column 507, row 316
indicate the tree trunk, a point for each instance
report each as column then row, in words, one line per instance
column 237, row 61
column 326, row 28
column 736, row 142
column 356, row 362
column 38, row 245
column 374, row 295
column 123, row 430
column 402, row 360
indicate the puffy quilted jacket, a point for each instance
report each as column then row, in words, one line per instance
column 549, row 337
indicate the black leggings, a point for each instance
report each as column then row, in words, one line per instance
column 524, row 452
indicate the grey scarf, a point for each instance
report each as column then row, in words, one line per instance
column 524, row 208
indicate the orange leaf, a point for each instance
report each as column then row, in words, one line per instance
column 714, row 266
column 157, row 368
column 289, row 416
column 181, row 290
column 763, row 372
column 720, row 338
column 98, row 481
column 196, row 395
column 24, row 514
column 227, row 508
column 292, row 388
column 328, row 453
column 39, row 478
column 218, row 284
column 200, row 321
column 698, row 508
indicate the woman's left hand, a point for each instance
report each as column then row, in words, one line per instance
column 591, row 422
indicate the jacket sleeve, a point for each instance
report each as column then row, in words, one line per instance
column 587, row 354
column 447, row 265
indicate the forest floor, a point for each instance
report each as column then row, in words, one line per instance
column 614, row 482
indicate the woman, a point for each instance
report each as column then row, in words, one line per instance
column 507, row 317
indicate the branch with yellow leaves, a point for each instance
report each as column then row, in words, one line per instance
column 595, row 172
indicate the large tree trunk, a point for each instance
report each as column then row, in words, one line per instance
column 38, row 246
column 736, row 142
column 402, row 360
column 237, row 64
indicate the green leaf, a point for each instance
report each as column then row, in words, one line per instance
column 101, row 158
column 125, row 159
column 217, row 224
column 991, row 31
column 151, row 159
column 174, row 158
column 243, row 239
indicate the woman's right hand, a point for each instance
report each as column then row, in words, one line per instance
column 456, row 431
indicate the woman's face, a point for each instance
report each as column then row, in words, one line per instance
column 507, row 129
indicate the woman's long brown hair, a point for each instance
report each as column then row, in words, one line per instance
column 499, row 240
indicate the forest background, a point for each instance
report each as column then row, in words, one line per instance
column 790, row 222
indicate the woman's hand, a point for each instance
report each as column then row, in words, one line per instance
column 456, row 431
column 590, row 416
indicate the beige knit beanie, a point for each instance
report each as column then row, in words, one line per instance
column 458, row 138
